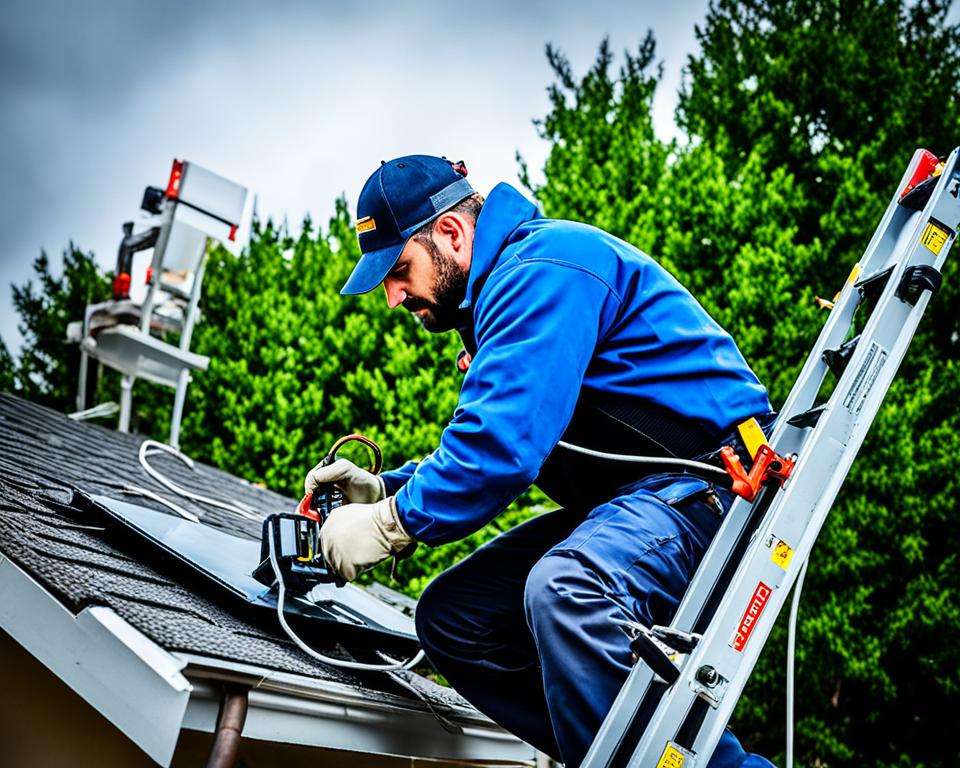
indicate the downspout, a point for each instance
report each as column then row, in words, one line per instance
column 233, row 713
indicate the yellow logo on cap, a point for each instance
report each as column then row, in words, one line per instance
column 366, row 224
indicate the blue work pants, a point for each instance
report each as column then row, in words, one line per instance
column 524, row 628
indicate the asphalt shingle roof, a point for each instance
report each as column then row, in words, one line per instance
column 44, row 456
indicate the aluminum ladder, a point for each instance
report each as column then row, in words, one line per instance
column 673, row 717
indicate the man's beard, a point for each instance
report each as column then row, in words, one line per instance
column 444, row 313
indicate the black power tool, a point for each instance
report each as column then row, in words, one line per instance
column 296, row 537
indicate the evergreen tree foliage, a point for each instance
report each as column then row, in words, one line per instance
column 769, row 203
column 799, row 117
column 48, row 365
column 807, row 81
column 8, row 369
column 605, row 164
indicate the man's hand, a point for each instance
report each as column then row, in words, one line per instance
column 356, row 537
column 358, row 485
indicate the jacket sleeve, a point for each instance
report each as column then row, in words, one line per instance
column 538, row 323
column 395, row 479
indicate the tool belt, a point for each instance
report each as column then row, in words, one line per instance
column 628, row 426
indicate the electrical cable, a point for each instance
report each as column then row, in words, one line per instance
column 343, row 663
column 687, row 463
column 136, row 490
column 791, row 653
column 147, row 445
column 96, row 412
column 448, row 725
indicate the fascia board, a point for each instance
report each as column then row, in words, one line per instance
column 298, row 710
column 125, row 676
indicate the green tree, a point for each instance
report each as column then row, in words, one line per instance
column 801, row 81
column 605, row 164
column 757, row 219
column 48, row 365
column 8, row 370
column 839, row 94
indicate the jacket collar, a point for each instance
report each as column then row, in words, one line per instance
column 504, row 210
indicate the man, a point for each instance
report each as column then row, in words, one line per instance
column 577, row 336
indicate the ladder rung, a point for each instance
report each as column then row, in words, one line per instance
column 872, row 286
column 917, row 197
column 807, row 418
column 837, row 359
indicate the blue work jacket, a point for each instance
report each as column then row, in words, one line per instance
column 559, row 310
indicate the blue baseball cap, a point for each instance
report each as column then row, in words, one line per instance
column 399, row 198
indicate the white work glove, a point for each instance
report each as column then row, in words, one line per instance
column 358, row 485
column 356, row 537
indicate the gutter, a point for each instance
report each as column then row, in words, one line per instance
column 151, row 694
column 296, row 709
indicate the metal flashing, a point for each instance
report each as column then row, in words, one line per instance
column 124, row 675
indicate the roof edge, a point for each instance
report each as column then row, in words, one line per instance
column 120, row 672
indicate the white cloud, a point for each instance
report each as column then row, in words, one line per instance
column 299, row 101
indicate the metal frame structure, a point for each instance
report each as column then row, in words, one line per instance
column 196, row 206
column 674, row 719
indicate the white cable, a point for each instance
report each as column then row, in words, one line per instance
column 104, row 409
column 448, row 725
column 791, row 651
column 146, row 445
column 644, row 459
column 281, row 596
column 136, row 490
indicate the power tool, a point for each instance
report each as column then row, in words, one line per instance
column 295, row 538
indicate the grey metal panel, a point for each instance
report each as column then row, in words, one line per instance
column 121, row 673
column 229, row 560
column 213, row 193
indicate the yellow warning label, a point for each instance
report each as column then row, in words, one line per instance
column 782, row 554
column 854, row 274
column 752, row 436
column 672, row 757
column 366, row 224
column 934, row 237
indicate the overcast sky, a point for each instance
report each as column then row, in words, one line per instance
column 297, row 100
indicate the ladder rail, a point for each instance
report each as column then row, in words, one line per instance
column 799, row 511
column 849, row 412
column 806, row 509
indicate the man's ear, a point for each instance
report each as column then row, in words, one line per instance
column 453, row 228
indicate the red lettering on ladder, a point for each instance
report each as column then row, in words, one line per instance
column 754, row 608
